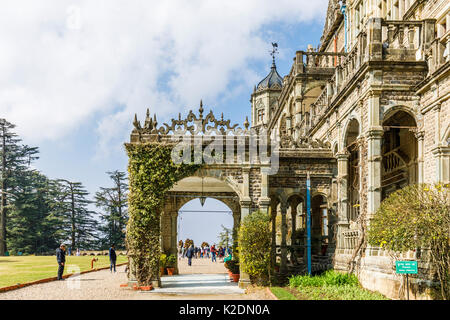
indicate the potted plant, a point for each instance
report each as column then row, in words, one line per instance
column 170, row 264
column 162, row 264
column 233, row 267
column 228, row 268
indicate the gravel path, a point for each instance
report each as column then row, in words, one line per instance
column 103, row 285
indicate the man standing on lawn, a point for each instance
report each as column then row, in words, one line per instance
column 112, row 258
column 61, row 259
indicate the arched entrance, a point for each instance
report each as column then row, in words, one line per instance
column 186, row 194
column 203, row 225
column 320, row 225
column 353, row 167
column 399, row 164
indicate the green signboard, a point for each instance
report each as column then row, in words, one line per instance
column 406, row 267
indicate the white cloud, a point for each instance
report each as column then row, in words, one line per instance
column 63, row 63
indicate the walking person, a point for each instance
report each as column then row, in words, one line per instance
column 190, row 254
column 213, row 253
column 112, row 258
column 61, row 259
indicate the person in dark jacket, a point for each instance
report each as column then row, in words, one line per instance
column 112, row 258
column 61, row 259
column 190, row 254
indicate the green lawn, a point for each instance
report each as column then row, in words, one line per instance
column 331, row 285
column 16, row 269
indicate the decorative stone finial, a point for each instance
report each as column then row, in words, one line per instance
column 136, row 123
column 246, row 123
column 201, row 109
column 155, row 123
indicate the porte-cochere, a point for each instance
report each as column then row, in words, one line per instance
column 243, row 183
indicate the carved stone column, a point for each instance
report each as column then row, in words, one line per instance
column 420, row 135
column 374, row 138
column 244, row 279
column 374, row 154
column 245, row 201
column 342, row 162
column 173, row 237
column 273, row 216
column 264, row 201
column 236, row 225
column 374, row 38
column 342, row 204
column 283, row 263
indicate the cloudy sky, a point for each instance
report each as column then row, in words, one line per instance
column 74, row 73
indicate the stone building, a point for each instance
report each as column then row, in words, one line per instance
column 364, row 114
column 376, row 90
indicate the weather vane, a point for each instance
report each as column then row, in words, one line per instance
column 274, row 51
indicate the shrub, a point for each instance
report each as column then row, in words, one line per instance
column 254, row 246
column 417, row 216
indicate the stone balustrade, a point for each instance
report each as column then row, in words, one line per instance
column 313, row 61
column 402, row 34
column 348, row 240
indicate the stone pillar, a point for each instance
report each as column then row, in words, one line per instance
column 173, row 237
column 374, row 138
column 342, row 195
column 441, row 152
column 236, row 224
column 298, row 115
column 244, row 279
column 264, row 201
column 342, row 162
column 283, row 263
column 374, row 38
column 374, row 154
column 437, row 124
column 420, row 146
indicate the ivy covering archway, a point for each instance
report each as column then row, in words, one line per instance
column 152, row 174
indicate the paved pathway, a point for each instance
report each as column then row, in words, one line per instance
column 203, row 280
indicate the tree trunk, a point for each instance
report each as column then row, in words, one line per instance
column 3, row 247
column 73, row 217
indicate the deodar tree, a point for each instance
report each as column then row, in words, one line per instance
column 417, row 216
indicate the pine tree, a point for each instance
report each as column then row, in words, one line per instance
column 14, row 166
column 78, row 226
column 114, row 202
column 225, row 237
column 31, row 226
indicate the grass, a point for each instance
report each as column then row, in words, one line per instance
column 282, row 293
column 330, row 285
column 17, row 269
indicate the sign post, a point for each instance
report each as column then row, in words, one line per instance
column 308, row 222
column 406, row 267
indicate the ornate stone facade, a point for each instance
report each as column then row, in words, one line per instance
column 364, row 114
column 376, row 92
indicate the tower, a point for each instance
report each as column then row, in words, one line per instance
column 265, row 95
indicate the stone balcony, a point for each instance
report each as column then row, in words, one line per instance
column 381, row 42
